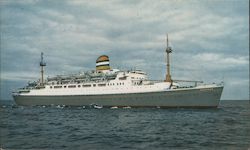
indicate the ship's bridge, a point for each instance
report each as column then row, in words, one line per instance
column 133, row 75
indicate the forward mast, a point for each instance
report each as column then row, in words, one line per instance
column 42, row 65
column 168, row 51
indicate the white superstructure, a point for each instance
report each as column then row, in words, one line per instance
column 123, row 82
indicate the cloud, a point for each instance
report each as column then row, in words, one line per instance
column 221, row 61
column 209, row 38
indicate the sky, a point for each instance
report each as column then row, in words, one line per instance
column 209, row 38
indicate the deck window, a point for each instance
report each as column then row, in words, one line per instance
column 57, row 87
column 71, row 86
column 87, row 85
column 101, row 84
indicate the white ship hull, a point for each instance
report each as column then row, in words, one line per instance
column 205, row 97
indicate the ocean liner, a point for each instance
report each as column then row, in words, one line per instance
column 106, row 87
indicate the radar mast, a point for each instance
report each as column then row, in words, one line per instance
column 168, row 51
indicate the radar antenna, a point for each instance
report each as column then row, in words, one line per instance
column 42, row 64
column 168, row 51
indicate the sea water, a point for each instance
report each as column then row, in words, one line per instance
column 58, row 127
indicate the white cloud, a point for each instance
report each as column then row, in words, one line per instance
column 221, row 61
column 26, row 76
